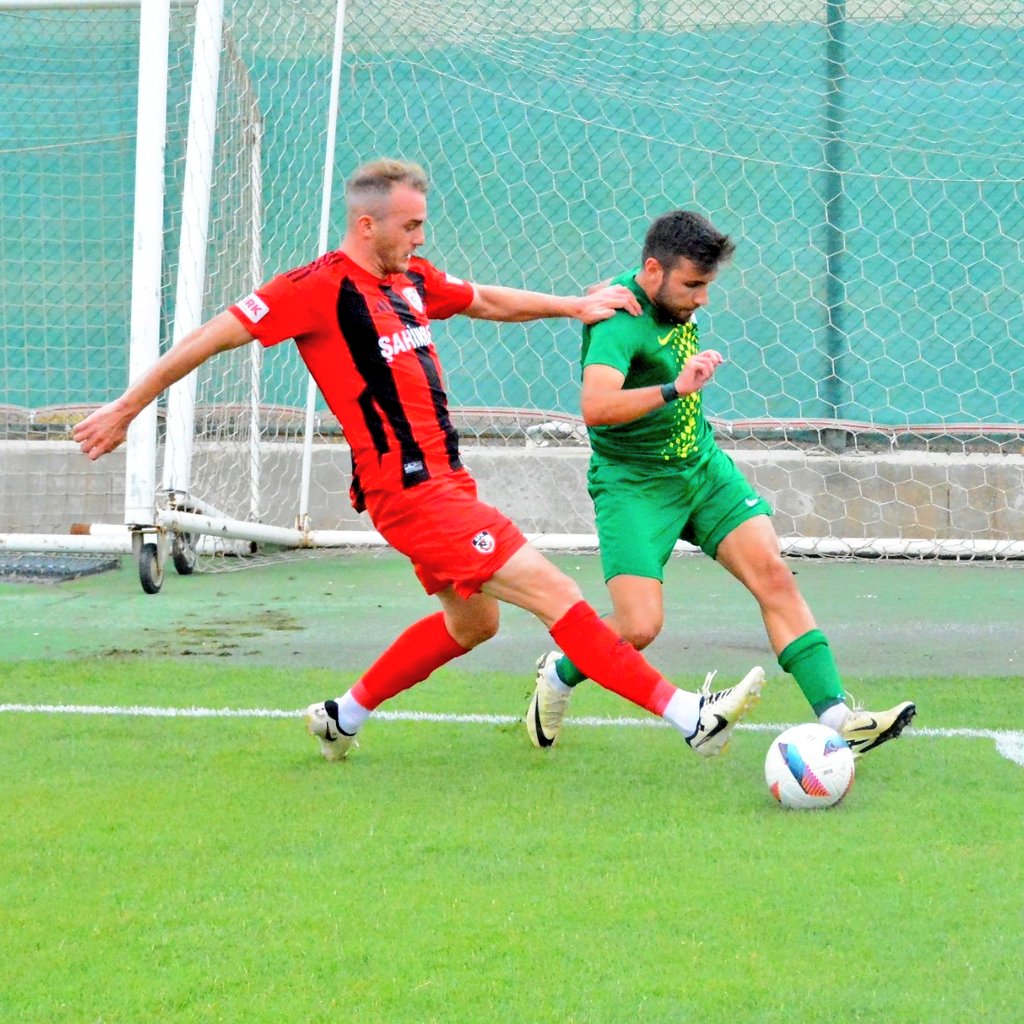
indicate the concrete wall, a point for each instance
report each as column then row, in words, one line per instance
column 47, row 486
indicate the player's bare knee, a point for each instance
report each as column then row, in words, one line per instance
column 641, row 635
column 482, row 627
column 485, row 630
column 775, row 581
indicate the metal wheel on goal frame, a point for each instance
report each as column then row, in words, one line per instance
column 152, row 557
column 184, row 552
column 151, row 568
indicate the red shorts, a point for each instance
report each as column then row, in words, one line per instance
column 449, row 534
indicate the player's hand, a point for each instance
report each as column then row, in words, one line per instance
column 102, row 430
column 604, row 302
column 697, row 371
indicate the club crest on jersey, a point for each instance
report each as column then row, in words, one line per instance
column 413, row 298
column 483, row 542
column 254, row 307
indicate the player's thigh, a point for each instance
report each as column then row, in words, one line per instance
column 751, row 552
column 529, row 580
column 639, row 518
column 722, row 499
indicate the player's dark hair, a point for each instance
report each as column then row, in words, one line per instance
column 685, row 235
column 372, row 183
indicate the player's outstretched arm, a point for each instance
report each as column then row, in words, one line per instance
column 106, row 428
column 513, row 305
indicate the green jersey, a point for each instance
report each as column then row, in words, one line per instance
column 648, row 351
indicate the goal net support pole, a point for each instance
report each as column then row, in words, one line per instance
column 154, row 37
column 302, row 519
column 255, row 275
column 195, row 226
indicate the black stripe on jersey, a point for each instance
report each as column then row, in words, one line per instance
column 374, row 424
column 355, row 490
column 400, row 304
column 360, row 334
column 437, row 393
column 451, row 435
column 417, row 283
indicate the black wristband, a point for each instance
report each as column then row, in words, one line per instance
column 668, row 392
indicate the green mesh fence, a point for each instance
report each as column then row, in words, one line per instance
column 865, row 156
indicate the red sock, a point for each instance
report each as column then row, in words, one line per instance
column 423, row 647
column 595, row 649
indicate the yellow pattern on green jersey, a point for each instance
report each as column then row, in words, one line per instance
column 686, row 411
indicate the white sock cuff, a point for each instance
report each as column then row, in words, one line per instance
column 683, row 711
column 553, row 678
column 834, row 717
column 351, row 714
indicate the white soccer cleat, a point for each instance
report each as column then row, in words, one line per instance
column 721, row 710
column 865, row 730
column 548, row 705
column 322, row 722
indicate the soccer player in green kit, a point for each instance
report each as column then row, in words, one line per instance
column 656, row 476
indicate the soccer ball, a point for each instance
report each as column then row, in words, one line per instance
column 809, row 766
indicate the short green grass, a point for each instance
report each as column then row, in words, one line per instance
column 202, row 870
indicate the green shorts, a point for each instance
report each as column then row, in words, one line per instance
column 641, row 511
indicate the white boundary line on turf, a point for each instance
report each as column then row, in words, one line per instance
column 1009, row 743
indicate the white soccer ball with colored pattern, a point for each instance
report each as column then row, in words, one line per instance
column 809, row 766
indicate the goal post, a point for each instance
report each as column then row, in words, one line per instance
column 195, row 228
column 865, row 156
column 147, row 250
column 204, row 73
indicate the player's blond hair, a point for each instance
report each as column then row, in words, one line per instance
column 370, row 184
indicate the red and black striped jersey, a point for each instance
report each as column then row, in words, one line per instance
column 366, row 341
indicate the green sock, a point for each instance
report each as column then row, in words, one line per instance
column 568, row 672
column 809, row 660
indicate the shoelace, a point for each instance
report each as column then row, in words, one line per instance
column 855, row 706
column 705, row 690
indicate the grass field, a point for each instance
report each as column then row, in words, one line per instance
column 201, row 869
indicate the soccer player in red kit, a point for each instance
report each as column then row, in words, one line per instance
column 361, row 317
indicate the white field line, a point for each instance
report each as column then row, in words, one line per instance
column 1009, row 743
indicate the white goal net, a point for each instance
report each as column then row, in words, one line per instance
column 865, row 156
